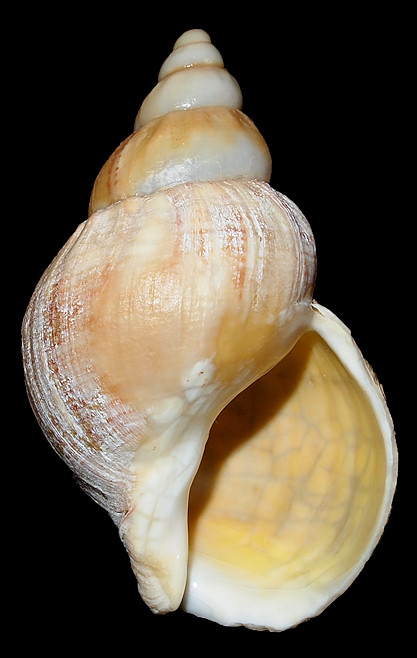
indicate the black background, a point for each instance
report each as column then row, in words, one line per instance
column 326, row 89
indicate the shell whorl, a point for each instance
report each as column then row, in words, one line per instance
column 189, row 129
column 192, row 76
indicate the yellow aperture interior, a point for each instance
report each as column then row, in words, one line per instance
column 293, row 476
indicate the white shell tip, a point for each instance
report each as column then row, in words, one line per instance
column 192, row 36
column 193, row 75
column 193, row 48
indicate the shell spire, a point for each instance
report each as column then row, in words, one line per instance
column 189, row 129
column 192, row 76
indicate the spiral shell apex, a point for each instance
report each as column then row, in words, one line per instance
column 176, row 361
column 192, row 76
column 189, row 128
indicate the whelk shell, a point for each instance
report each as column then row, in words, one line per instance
column 176, row 360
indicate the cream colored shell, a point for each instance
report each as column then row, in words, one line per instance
column 177, row 362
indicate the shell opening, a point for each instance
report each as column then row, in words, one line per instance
column 292, row 493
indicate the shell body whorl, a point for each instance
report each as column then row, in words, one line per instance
column 140, row 309
column 176, row 250
column 176, row 360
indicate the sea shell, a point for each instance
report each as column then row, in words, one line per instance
column 176, row 360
